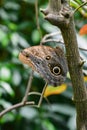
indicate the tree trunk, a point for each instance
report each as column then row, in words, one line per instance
column 60, row 14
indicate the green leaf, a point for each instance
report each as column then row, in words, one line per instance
column 4, row 103
column 12, row 26
column 18, row 39
column 4, row 38
column 35, row 36
column 7, row 118
column 28, row 113
column 48, row 125
column 7, row 88
column 30, row 1
column 12, row 5
column 5, row 73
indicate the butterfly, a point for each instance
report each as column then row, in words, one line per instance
column 49, row 62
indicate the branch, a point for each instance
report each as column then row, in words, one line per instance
column 47, row 38
column 79, row 7
column 63, row 18
column 42, row 94
column 28, row 87
column 39, row 94
column 15, row 107
column 83, row 49
column 24, row 101
column 37, row 18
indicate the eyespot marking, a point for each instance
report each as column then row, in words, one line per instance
column 56, row 70
column 48, row 57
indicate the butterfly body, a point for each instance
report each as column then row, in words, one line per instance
column 49, row 62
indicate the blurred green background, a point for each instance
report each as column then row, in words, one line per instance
column 18, row 30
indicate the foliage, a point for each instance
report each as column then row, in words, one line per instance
column 18, row 30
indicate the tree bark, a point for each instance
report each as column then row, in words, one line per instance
column 59, row 13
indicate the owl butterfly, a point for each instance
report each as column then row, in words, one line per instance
column 49, row 62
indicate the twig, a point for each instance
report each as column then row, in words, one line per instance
column 53, row 40
column 37, row 18
column 28, row 87
column 37, row 93
column 24, row 101
column 60, row 41
column 42, row 94
column 79, row 7
column 21, row 104
column 83, row 49
column 44, row 39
